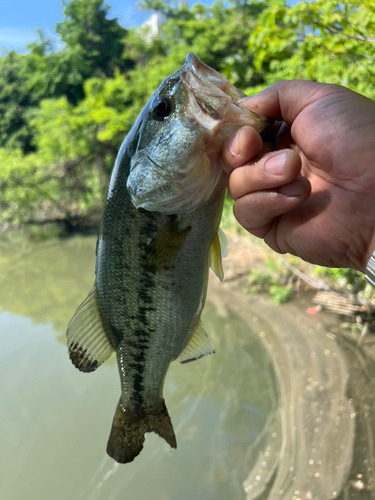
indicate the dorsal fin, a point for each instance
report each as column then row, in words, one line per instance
column 199, row 345
column 218, row 250
column 88, row 343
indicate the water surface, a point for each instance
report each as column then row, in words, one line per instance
column 284, row 409
column 55, row 421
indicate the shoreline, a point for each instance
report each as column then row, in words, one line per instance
column 254, row 269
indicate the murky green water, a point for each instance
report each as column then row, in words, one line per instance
column 245, row 418
column 55, row 421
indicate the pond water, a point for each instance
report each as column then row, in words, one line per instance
column 284, row 409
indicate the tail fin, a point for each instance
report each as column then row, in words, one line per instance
column 128, row 433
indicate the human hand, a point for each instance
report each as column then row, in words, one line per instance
column 310, row 191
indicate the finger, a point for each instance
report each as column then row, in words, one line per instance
column 269, row 171
column 285, row 100
column 240, row 148
column 266, row 148
column 257, row 211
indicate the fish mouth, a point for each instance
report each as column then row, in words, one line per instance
column 204, row 73
column 147, row 182
column 214, row 102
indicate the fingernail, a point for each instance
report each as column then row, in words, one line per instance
column 234, row 145
column 276, row 164
column 292, row 189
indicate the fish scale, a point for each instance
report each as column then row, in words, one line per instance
column 134, row 296
column 159, row 235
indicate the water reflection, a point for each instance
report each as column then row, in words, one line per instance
column 243, row 433
column 319, row 443
column 310, row 438
column 55, row 420
column 361, row 391
column 45, row 282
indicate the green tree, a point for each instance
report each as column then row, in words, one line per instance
column 217, row 34
column 64, row 113
column 15, row 100
column 327, row 40
column 94, row 44
column 66, row 178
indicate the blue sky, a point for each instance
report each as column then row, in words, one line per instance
column 20, row 18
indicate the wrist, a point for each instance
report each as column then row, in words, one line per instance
column 370, row 270
column 370, row 266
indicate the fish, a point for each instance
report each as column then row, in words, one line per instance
column 158, row 237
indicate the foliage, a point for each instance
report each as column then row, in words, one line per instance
column 64, row 112
column 217, row 34
column 94, row 43
column 273, row 279
column 14, row 100
column 348, row 278
column 325, row 40
column 42, row 191
column 94, row 46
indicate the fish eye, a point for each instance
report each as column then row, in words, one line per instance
column 163, row 108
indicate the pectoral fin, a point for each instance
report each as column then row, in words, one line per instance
column 88, row 343
column 163, row 249
column 218, row 250
column 199, row 345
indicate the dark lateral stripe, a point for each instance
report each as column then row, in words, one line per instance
column 144, row 331
column 138, row 365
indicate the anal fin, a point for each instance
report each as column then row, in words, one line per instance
column 199, row 345
column 88, row 344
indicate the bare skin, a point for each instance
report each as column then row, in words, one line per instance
column 309, row 188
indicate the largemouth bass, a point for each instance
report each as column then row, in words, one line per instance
column 159, row 235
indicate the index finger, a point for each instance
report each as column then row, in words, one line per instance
column 244, row 145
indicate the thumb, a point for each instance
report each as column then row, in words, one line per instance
column 285, row 100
